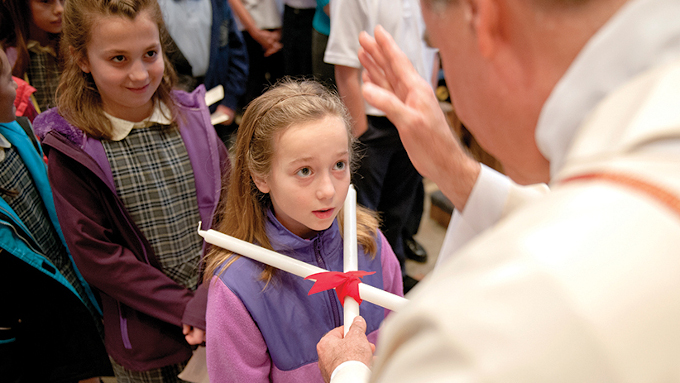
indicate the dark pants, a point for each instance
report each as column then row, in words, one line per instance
column 413, row 221
column 262, row 71
column 297, row 41
column 46, row 333
column 387, row 182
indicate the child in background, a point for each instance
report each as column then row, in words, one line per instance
column 50, row 323
column 260, row 22
column 134, row 166
column 33, row 45
column 290, row 179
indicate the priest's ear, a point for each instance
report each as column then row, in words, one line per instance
column 484, row 18
column 505, row 31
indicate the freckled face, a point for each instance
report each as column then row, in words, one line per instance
column 125, row 59
column 310, row 175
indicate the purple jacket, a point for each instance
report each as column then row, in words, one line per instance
column 257, row 334
column 143, row 308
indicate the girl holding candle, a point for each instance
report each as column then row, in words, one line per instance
column 290, row 178
column 134, row 165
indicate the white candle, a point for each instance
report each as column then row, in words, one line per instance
column 350, row 258
column 369, row 293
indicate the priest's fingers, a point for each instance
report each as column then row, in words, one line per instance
column 397, row 67
column 334, row 350
column 423, row 129
column 372, row 57
column 387, row 101
column 372, row 69
column 414, row 114
column 372, row 72
column 358, row 328
column 336, row 333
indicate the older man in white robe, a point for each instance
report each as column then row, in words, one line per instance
column 578, row 284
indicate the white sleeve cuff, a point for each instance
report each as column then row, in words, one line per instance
column 485, row 204
column 483, row 209
column 493, row 196
column 351, row 371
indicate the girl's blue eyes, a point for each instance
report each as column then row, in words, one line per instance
column 306, row 172
column 121, row 58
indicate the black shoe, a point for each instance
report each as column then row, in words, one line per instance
column 414, row 250
column 409, row 283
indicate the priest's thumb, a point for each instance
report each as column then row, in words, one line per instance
column 358, row 328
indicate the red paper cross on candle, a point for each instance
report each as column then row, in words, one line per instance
column 345, row 284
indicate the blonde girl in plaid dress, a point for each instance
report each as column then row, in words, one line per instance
column 134, row 166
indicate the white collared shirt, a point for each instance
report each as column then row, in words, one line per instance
column 121, row 128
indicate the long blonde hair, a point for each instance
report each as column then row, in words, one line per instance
column 243, row 213
column 78, row 99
